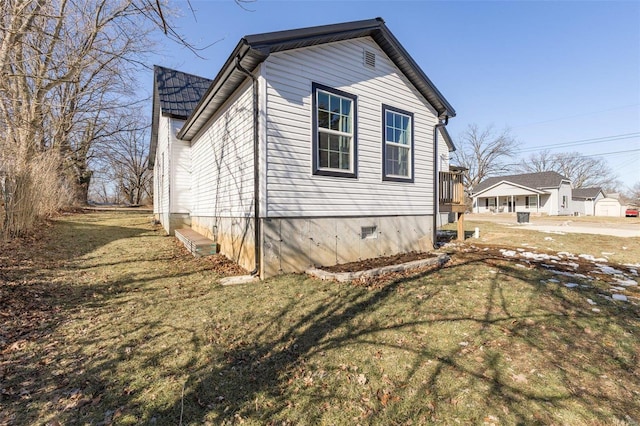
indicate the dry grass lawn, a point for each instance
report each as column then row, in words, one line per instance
column 106, row 321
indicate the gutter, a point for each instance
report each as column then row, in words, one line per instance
column 436, row 195
column 256, row 166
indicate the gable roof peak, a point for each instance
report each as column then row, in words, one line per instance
column 537, row 180
column 254, row 49
column 178, row 92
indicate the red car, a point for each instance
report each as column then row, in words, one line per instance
column 631, row 212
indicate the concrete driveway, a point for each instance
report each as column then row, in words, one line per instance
column 566, row 224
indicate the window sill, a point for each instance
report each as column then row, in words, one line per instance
column 335, row 173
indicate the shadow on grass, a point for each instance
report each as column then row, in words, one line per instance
column 527, row 365
column 480, row 339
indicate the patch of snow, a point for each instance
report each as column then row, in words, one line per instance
column 606, row 253
column 572, row 264
column 620, row 297
column 592, row 259
column 616, row 288
column 553, row 280
column 567, row 255
column 626, row 283
column 548, row 238
column 571, row 285
column 605, row 296
column 520, row 249
column 591, row 302
column 508, row 253
column 520, row 265
column 595, row 309
column 608, row 270
column 563, row 273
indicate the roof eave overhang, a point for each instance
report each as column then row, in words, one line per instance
column 154, row 127
column 527, row 188
column 226, row 82
column 254, row 49
column 447, row 139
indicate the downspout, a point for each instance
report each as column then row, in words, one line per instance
column 436, row 176
column 256, row 168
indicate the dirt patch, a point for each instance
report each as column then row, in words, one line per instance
column 217, row 263
column 221, row 265
column 378, row 262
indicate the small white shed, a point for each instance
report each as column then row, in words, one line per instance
column 608, row 207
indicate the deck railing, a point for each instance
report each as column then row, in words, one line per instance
column 451, row 188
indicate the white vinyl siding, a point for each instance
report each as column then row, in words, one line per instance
column 161, row 172
column 443, row 153
column 222, row 160
column 292, row 189
column 181, row 170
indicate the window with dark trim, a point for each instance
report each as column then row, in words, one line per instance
column 335, row 142
column 397, row 144
column 531, row 201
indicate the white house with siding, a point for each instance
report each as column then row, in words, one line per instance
column 543, row 192
column 584, row 200
column 314, row 146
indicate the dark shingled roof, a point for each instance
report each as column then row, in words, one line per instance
column 179, row 92
column 530, row 180
column 252, row 50
column 585, row 193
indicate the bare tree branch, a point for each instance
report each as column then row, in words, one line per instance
column 485, row 152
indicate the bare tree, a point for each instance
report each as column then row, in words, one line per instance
column 633, row 195
column 584, row 171
column 62, row 65
column 126, row 154
column 485, row 153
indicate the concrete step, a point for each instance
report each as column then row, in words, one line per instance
column 196, row 243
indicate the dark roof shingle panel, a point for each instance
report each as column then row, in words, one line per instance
column 584, row 193
column 531, row 180
column 179, row 92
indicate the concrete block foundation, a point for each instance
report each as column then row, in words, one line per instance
column 297, row 244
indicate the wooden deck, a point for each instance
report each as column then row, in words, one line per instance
column 451, row 197
column 196, row 243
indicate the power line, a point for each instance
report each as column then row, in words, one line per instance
column 576, row 115
column 602, row 139
column 611, row 153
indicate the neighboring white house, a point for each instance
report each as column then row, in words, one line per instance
column 584, row 200
column 326, row 135
column 544, row 192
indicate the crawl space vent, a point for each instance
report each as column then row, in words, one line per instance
column 369, row 59
column 368, row 232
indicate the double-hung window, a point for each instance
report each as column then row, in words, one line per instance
column 531, row 202
column 397, row 144
column 334, row 132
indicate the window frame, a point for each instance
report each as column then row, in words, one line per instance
column 529, row 204
column 325, row 171
column 397, row 178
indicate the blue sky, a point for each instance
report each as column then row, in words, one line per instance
column 554, row 72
